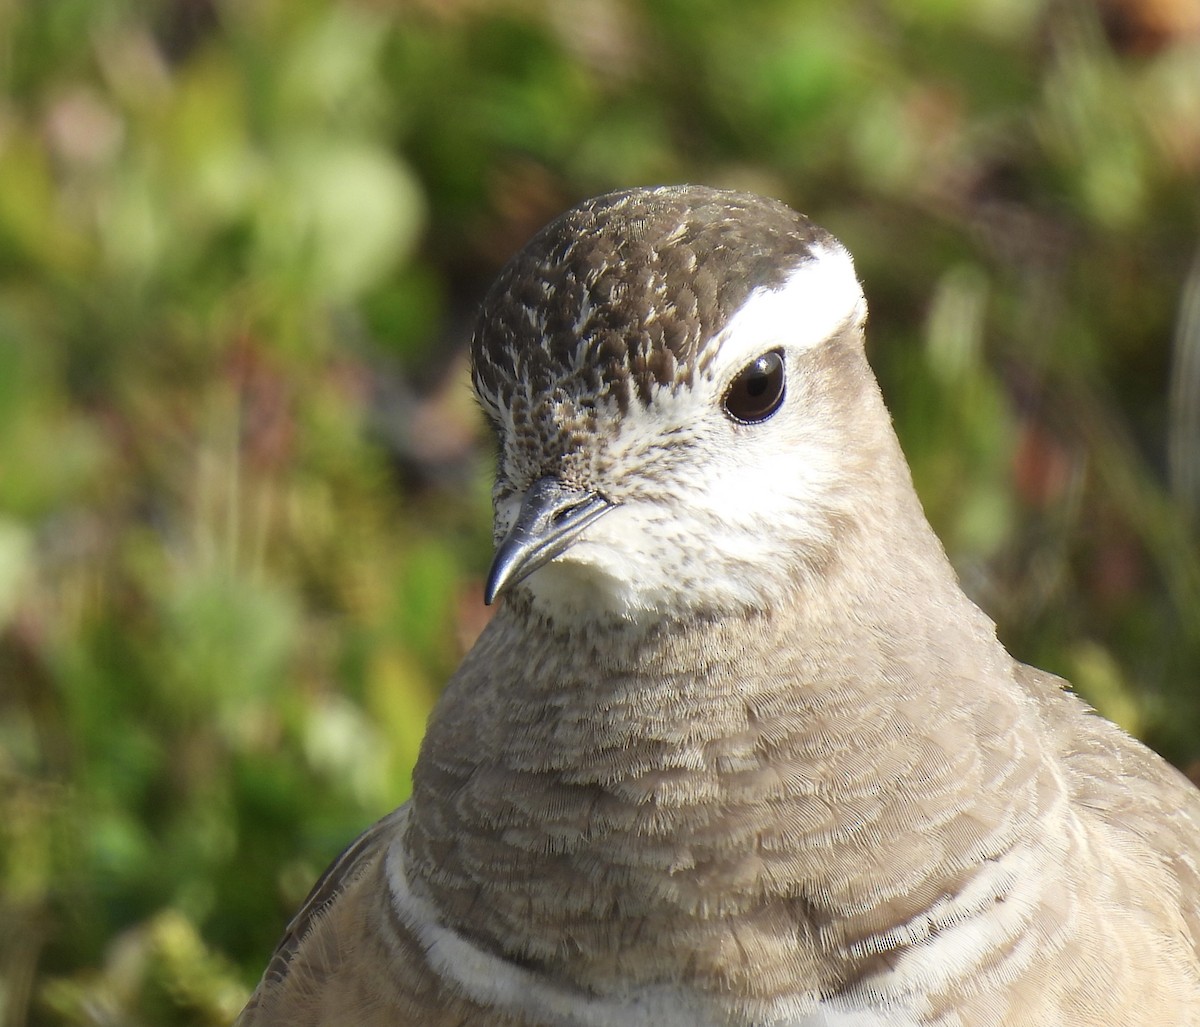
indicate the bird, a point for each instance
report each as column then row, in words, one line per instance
column 735, row 749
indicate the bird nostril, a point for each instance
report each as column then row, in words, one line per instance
column 564, row 514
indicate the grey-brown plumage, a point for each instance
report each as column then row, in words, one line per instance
column 736, row 750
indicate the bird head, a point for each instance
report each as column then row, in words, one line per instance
column 675, row 379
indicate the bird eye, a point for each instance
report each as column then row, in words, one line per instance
column 756, row 393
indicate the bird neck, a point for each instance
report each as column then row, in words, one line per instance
column 850, row 758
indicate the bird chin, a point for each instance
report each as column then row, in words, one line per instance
column 572, row 592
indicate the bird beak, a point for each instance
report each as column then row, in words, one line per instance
column 551, row 518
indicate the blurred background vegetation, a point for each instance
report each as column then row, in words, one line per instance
column 243, row 489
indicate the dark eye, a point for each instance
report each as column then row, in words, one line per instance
column 756, row 393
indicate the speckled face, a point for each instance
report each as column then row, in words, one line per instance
column 605, row 355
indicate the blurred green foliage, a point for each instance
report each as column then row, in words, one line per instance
column 243, row 496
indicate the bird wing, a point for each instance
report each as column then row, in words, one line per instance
column 346, row 958
column 349, row 864
column 1140, row 798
